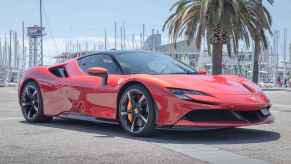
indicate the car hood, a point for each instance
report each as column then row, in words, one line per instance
column 219, row 84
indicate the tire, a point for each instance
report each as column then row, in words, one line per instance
column 31, row 103
column 137, row 117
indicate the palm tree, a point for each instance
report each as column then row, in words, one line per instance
column 260, row 33
column 223, row 22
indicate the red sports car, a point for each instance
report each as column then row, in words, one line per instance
column 142, row 91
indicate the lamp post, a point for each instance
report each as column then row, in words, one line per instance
column 41, row 35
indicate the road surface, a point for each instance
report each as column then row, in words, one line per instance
column 69, row 141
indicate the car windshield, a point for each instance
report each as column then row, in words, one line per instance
column 151, row 63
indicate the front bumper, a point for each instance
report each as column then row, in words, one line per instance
column 230, row 111
column 222, row 124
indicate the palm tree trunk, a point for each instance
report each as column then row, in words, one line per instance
column 257, row 49
column 256, row 61
column 217, row 58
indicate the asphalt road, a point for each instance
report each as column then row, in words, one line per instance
column 68, row 141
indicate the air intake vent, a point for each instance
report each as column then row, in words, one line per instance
column 223, row 115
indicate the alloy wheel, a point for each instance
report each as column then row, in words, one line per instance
column 134, row 110
column 30, row 102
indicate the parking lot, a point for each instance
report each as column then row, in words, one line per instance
column 69, row 141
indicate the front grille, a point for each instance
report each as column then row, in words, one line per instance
column 223, row 115
column 252, row 116
column 210, row 115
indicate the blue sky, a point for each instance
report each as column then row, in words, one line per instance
column 89, row 18
column 71, row 18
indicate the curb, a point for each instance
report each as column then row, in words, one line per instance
column 277, row 89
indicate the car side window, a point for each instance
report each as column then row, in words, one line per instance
column 103, row 61
column 59, row 72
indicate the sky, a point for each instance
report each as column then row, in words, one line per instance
column 71, row 18
column 82, row 19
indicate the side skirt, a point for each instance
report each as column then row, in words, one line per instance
column 82, row 117
column 188, row 128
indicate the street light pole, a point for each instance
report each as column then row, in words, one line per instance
column 10, row 51
column 23, row 48
column 285, row 54
column 41, row 35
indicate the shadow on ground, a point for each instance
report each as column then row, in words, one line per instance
column 212, row 137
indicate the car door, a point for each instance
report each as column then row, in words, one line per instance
column 52, row 91
column 94, row 98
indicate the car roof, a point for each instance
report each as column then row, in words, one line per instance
column 113, row 52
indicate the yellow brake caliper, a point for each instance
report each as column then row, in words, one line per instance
column 129, row 111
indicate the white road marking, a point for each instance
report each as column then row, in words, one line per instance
column 210, row 154
column 11, row 118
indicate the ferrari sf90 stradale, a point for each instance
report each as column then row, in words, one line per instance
column 142, row 91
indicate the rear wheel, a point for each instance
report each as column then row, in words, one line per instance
column 31, row 103
column 136, row 111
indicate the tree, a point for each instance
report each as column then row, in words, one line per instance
column 260, row 35
column 222, row 22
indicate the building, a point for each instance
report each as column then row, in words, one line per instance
column 152, row 42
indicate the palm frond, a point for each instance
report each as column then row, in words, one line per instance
column 239, row 19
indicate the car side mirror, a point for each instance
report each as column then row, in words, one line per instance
column 100, row 72
column 201, row 72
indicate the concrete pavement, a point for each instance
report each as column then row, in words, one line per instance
column 70, row 141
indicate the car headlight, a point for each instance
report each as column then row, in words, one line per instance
column 183, row 93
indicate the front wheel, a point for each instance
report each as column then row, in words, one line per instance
column 137, row 111
column 31, row 103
